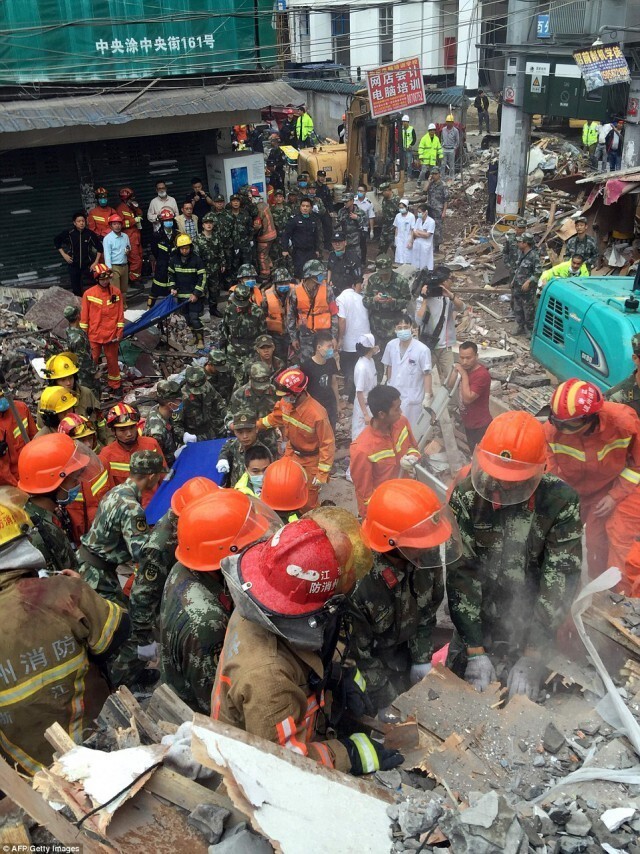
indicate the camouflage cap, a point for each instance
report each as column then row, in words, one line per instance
column 195, row 379
column 281, row 275
column 527, row 237
column 385, row 186
column 146, row 462
column 243, row 418
column 218, row 198
column 71, row 312
column 219, row 359
column 260, row 374
column 313, row 268
column 241, row 294
column 347, row 197
column 246, row 271
column 209, row 217
column 520, row 222
column 635, row 344
column 265, row 341
column 581, row 219
column 384, row 262
column 167, row 390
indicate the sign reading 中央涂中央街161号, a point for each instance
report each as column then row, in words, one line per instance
column 396, row 87
column 602, row 65
column 120, row 39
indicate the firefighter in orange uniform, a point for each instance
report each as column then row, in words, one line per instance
column 594, row 446
column 123, row 420
column 102, row 318
column 309, row 436
column 98, row 217
column 385, row 448
column 277, row 299
column 131, row 212
column 11, row 441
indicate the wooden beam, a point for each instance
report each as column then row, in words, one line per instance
column 187, row 794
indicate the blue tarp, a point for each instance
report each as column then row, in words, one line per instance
column 197, row 459
column 163, row 308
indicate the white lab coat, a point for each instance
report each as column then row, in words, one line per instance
column 407, row 375
column 422, row 255
column 365, row 378
column 404, row 224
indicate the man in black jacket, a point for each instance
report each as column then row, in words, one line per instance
column 302, row 238
column 481, row 103
column 81, row 248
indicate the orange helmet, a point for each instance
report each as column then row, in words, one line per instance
column 192, row 490
column 115, row 218
column 101, row 270
column 76, row 426
column 408, row 516
column 575, row 399
column 126, row 193
column 290, row 381
column 122, row 415
column 45, row 463
column 285, row 485
column 219, row 525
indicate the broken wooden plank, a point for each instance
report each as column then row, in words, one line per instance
column 188, row 794
column 165, row 705
column 14, row 835
column 121, row 707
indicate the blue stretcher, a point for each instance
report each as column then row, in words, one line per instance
column 198, row 459
column 163, row 308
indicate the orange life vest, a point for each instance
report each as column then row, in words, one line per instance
column 275, row 313
column 316, row 316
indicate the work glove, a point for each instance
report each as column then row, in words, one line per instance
column 367, row 756
column 356, row 698
column 317, row 483
column 418, row 672
column 148, row 652
column 427, row 400
column 188, row 438
column 408, row 462
column 371, row 234
column 388, row 715
column 480, row 672
column 524, row 677
column 178, row 451
column 179, row 757
column 222, row 467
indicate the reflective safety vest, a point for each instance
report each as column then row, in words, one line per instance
column 317, row 315
column 275, row 313
column 430, row 150
column 407, row 137
column 590, row 131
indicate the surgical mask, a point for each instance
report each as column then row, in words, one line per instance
column 72, row 494
column 162, row 194
column 402, row 210
column 329, row 353
column 403, row 334
column 103, row 202
column 168, row 223
column 320, row 278
column 250, row 283
column 361, row 195
column 283, row 289
column 339, row 252
column 256, row 480
column 4, row 404
column 302, row 184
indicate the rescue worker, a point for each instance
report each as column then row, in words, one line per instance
column 277, row 162
column 303, row 128
column 123, row 420
column 62, row 370
column 301, row 238
column 120, row 529
column 78, row 344
column 258, row 395
column 344, row 267
column 389, row 209
column 161, row 423
column 265, row 350
column 575, row 267
column 285, row 489
column 594, row 446
column 231, row 460
column 55, row 403
column 450, row 139
column 187, row 281
column 437, row 198
column 521, row 533
column 210, row 248
column 277, row 656
column 352, row 222
column 394, row 606
column 164, row 243
column 526, row 274
column 131, row 213
column 224, row 229
column 408, row 136
column 98, row 216
column 312, row 306
column 265, row 237
column 384, row 448
column 281, row 213
column 11, row 439
column 51, row 470
column 241, row 233
column 256, row 461
column 429, row 153
column 510, row 251
column 582, row 244
column 386, row 296
column 202, row 407
column 56, row 634
column 590, row 133
column 80, row 428
column 248, row 276
column 218, row 374
column 242, row 322
column 195, row 606
column 277, row 304
column 628, row 391
column 309, row 437
column 102, row 318
column 157, row 556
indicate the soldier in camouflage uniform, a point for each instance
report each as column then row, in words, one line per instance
column 224, row 230
column 211, row 250
column 119, row 530
column 523, row 286
column 352, row 222
column 78, row 344
column 510, row 251
column 386, row 297
column 437, row 198
column 231, row 461
column 242, row 322
column 202, row 409
column 281, row 213
column 389, row 206
column 161, row 423
column 218, row 374
column 265, row 354
column 512, row 587
column 241, row 235
column 259, row 396
column 582, row 244
column 628, row 391
column 50, row 522
column 320, row 311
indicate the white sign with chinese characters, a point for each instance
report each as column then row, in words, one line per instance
column 538, row 69
column 159, row 44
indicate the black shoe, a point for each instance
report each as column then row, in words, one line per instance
column 214, row 312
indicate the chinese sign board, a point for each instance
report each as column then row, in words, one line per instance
column 396, row 87
column 131, row 39
column 543, row 29
column 603, row 65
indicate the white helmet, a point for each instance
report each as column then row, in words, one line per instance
column 431, row 126
column 405, row 118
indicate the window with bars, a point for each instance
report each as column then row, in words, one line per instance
column 386, row 34
column 341, row 37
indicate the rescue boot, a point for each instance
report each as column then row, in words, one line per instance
column 199, row 342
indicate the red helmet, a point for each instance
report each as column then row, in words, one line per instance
column 101, row 270
column 290, row 381
column 166, row 214
column 192, row 490
column 285, row 485
column 126, row 193
column 100, row 191
column 115, row 218
column 255, row 192
column 122, row 415
column 576, row 399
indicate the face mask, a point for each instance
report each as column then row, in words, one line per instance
column 402, row 210
column 302, row 184
column 162, row 194
column 4, row 404
column 72, row 494
column 329, row 353
column 168, row 223
column 103, row 202
column 339, row 252
column 283, row 289
column 251, row 283
column 320, row 278
column 361, row 195
column 256, row 480
column 403, row 334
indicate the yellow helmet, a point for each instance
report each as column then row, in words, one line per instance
column 61, row 365
column 56, row 399
column 14, row 521
column 449, row 118
column 183, row 240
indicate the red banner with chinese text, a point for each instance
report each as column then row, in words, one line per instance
column 395, row 87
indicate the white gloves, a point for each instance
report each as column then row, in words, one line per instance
column 427, row 400
column 408, row 462
column 418, row 672
column 318, row 483
column 178, row 451
column 149, row 652
column 371, row 234
column 524, row 677
column 179, row 757
column 189, row 438
column 480, row 672
column 222, row 467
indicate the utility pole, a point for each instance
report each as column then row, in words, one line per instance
column 515, row 130
column 631, row 150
